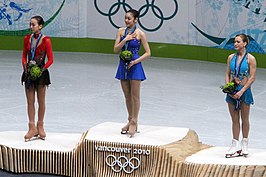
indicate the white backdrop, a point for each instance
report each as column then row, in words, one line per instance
column 195, row 22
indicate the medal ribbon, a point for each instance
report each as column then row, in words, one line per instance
column 126, row 46
column 237, row 71
column 127, row 32
column 33, row 48
column 237, row 68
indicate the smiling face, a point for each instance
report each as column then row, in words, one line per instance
column 239, row 43
column 130, row 20
column 34, row 26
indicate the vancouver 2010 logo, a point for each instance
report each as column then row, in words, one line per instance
column 143, row 10
column 122, row 163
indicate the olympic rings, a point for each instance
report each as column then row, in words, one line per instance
column 123, row 163
column 143, row 11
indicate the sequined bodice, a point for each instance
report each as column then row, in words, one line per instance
column 244, row 69
column 133, row 46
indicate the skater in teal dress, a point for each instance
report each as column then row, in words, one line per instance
column 241, row 68
column 130, row 72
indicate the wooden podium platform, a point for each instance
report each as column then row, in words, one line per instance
column 156, row 151
column 103, row 152
column 211, row 162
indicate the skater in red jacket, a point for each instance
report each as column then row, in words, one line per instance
column 36, row 75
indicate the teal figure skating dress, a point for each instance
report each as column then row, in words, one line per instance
column 243, row 71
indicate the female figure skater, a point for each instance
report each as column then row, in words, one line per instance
column 36, row 48
column 241, row 68
column 131, row 74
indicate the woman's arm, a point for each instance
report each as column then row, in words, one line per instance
column 252, row 72
column 227, row 72
column 24, row 53
column 146, row 47
column 49, row 52
column 120, row 44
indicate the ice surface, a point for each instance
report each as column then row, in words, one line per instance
column 84, row 93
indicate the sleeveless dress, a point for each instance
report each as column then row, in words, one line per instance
column 243, row 72
column 42, row 50
column 136, row 72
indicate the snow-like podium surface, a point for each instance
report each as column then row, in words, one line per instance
column 53, row 141
column 216, row 155
column 149, row 135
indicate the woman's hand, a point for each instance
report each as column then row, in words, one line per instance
column 132, row 63
column 237, row 95
column 130, row 36
column 237, row 81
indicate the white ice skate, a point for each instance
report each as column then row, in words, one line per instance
column 244, row 146
column 235, row 149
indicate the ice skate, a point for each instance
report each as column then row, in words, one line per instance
column 235, row 150
column 133, row 128
column 244, row 146
column 124, row 130
column 32, row 132
column 41, row 131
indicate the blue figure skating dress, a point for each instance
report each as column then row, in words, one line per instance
column 136, row 72
column 243, row 72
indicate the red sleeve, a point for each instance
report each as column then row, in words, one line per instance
column 24, row 54
column 49, row 52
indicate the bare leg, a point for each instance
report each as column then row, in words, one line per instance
column 30, row 95
column 41, row 92
column 135, row 94
column 245, row 119
column 235, row 148
column 235, row 121
column 245, row 127
column 126, row 87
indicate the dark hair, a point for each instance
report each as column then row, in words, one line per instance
column 134, row 12
column 39, row 19
column 244, row 37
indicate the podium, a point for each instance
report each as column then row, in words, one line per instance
column 155, row 151
column 102, row 151
column 212, row 162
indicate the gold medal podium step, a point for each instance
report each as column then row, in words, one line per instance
column 103, row 152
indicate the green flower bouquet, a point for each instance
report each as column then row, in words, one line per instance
column 230, row 87
column 34, row 71
column 126, row 56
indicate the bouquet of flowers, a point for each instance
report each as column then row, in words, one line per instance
column 230, row 87
column 34, row 70
column 126, row 56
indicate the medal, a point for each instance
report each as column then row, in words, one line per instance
column 33, row 48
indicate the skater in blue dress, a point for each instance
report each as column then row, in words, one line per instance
column 130, row 72
column 241, row 68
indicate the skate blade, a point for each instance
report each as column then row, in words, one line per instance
column 123, row 132
column 41, row 138
column 131, row 136
column 32, row 139
column 236, row 154
column 245, row 155
column 233, row 156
